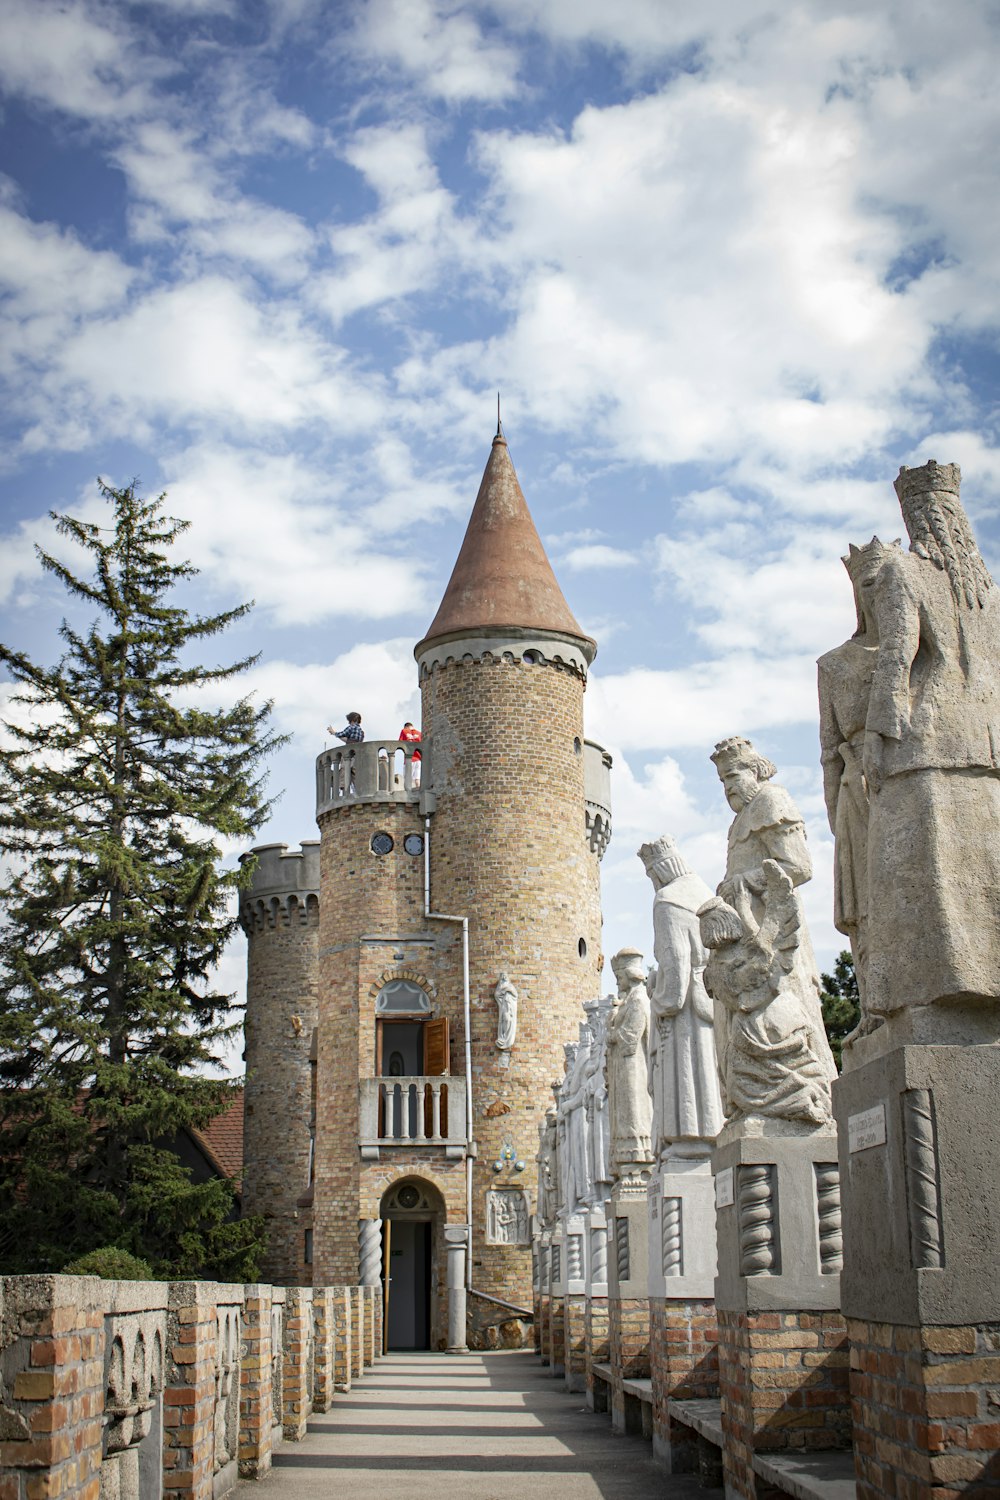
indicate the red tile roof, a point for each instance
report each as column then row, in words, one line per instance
column 222, row 1139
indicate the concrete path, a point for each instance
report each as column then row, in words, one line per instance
column 465, row 1427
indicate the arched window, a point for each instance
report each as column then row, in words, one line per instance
column 401, row 997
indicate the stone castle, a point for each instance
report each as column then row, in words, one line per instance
column 412, row 974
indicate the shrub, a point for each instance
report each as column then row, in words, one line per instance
column 111, row 1264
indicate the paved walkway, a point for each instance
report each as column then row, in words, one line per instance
column 465, row 1427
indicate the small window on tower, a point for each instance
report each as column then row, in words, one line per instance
column 414, row 843
column 382, row 843
column 581, row 947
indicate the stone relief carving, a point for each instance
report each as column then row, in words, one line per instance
column 774, row 1058
column 507, row 1217
column 756, row 1211
column 227, row 1384
column 133, row 1382
column 922, row 1187
column 631, row 1108
column 683, row 1077
column 506, row 998
column 932, row 755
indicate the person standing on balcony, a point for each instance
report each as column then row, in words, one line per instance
column 352, row 734
column 411, row 736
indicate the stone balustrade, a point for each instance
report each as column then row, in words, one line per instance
column 373, row 771
column 122, row 1390
column 418, row 1111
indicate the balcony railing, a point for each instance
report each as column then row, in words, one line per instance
column 418, row 1111
column 373, row 771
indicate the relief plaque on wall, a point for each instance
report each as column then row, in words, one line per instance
column 507, row 1220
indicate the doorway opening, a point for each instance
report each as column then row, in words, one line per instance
column 411, row 1212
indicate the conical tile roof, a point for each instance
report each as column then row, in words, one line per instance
column 502, row 579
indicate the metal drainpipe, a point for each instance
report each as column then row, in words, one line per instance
column 440, row 916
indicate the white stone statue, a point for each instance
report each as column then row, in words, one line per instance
column 631, row 1108
column 574, row 1101
column 845, row 683
column 932, row 757
column 506, row 997
column 548, row 1191
column 596, row 1094
column 506, row 1217
column 774, row 1059
column 568, row 1186
column 683, row 1076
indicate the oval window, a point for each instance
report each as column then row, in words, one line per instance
column 581, row 947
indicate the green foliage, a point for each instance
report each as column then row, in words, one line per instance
column 111, row 1264
column 840, row 1002
column 118, row 781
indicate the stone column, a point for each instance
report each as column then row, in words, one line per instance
column 628, row 1292
column 369, row 1252
column 256, row 1406
column 456, row 1238
column 920, row 1147
column 683, row 1329
column 782, row 1340
column 598, row 1350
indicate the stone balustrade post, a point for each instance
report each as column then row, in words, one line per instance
column 256, row 1375
column 456, row 1238
column 297, row 1379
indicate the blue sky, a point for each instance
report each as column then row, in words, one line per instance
column 730, row 265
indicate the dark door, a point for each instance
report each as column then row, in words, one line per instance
column 410, row 1284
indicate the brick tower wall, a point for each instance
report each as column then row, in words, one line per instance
column 372, row 911
column 280, row 915
column 509, row 850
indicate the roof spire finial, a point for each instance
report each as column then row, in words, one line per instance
column 499, row 428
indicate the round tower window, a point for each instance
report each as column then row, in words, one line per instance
column 382, row 843
column 408, row 1196
column 581, row 947
column 414, row 843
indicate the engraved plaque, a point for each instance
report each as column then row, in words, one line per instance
column 866, row 1129
column 725, row 1192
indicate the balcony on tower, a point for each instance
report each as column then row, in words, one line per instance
column 372, row 771
column 425, row 1111
column 597, row 793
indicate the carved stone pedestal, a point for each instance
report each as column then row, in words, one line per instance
column 575, row 1304
column 545, row 1296
column 683, row 1333
column 628, row 1292
column 920, row 1163
column 782, row 1340
column 598, row 1350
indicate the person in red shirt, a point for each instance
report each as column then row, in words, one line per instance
column 410, row 736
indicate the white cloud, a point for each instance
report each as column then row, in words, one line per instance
column 68, row 57
column 440, row 46
column 597, row 555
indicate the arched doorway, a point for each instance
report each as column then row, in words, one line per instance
column 412, row 1214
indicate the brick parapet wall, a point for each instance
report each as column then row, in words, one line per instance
column 683, row 1365
column 51, row 1386
column 926, row 1405
column 256, row 1407
column 557, row 1336
column 575, row 1342
column 598, row 1340
column 783, row 1378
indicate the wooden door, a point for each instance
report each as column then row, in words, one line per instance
column 437, row 1060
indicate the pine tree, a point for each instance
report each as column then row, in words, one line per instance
column 840, row 1002
column 117, row 782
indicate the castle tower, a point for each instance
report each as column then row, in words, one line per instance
column 503, row 670
column 280, row 915
column 438, row 876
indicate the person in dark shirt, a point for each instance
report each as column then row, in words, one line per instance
column 353, row 733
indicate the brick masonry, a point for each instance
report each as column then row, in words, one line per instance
column 628, row 1338
column 684, row 1365
column 575, row 1342
column 256, row 1409
column 598, row 1345
column 783, row 1378
column 282, row 981
column 926, row 1404
column 557, row 1336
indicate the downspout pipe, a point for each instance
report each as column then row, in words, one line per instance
column 440, row 916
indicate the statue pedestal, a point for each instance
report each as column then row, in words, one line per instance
column 628, row 1293
column 683, row 1332
column 575, row 1304
column 545, row 1296
column 920, row 1158
column 557, row 1300
column 596, row 1314
column 783, row 1358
